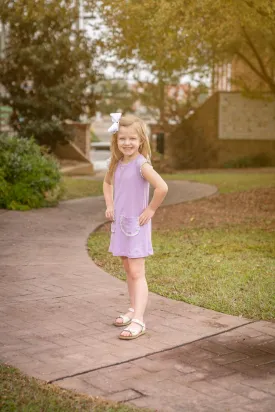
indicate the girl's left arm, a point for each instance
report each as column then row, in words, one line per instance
column 160, row 192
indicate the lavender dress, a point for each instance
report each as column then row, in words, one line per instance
column 131, row 195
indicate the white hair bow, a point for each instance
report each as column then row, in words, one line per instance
column 115, row 119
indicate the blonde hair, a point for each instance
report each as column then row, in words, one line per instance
column 142, row 132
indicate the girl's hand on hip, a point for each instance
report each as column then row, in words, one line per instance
column 146, row 215
column 110, row 213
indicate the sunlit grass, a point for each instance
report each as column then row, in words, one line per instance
column 228, row 181
column 77, row 188
column 22, row 393
column 229, row 270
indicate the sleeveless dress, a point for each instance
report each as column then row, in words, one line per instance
column 131, row 196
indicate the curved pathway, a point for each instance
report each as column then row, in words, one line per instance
column 57, row 309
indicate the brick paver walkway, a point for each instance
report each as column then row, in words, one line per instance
column 57, row 309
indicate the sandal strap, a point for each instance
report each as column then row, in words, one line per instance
column 133, row 331
column 128, row 330
column 139, row 322
column 124, row 318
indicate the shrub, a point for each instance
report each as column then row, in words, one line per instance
column 28, row 175
column 160, row 163
column 188, row 148
column 94, row 137
column 259, row 160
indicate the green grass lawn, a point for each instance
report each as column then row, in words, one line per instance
column 76, row 188
column 22, row 393
column 225, row 181
column 228, row 181
column 229, row 270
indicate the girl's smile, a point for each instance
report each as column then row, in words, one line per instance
column 128, row 141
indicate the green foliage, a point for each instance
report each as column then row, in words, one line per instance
column 170, row 108
column 241, row 32
column 172, row 38
column 93, row 137
column 188, row 148
column 29, row 178
column 138, row 41
column 114, row 96
column 45, row 68
column 136, row 33
column 259, row 160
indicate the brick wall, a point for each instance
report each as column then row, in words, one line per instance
column 246, row 127
column 247, row 119
column 233, row 149
column 233, row 125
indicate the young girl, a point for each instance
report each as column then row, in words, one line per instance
column 130, row 174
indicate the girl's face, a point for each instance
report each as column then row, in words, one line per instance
column 128, row 141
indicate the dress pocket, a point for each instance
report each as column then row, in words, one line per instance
column 129, row 225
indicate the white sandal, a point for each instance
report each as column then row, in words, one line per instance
column 125, row 319
column 134, row 333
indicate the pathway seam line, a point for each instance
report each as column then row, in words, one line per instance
column 149, row 354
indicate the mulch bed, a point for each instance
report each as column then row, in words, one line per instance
column 255, row 208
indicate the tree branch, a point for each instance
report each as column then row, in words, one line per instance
column 255, row 70
column 259, row 10
column 265, row 76
column 252, row 67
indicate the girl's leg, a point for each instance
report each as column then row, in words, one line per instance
column 129, row 282
column 140, row 289
column 130, row 288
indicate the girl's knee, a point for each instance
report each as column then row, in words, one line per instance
column 136, row 274
column 136, row 268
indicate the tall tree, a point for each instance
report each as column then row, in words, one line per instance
column 114, row 95
column 175, row 37
column 46, row 68
column 137, row 40
column 180, row 100
column 219, row 32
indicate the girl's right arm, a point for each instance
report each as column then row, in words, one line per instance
column 108, row 195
